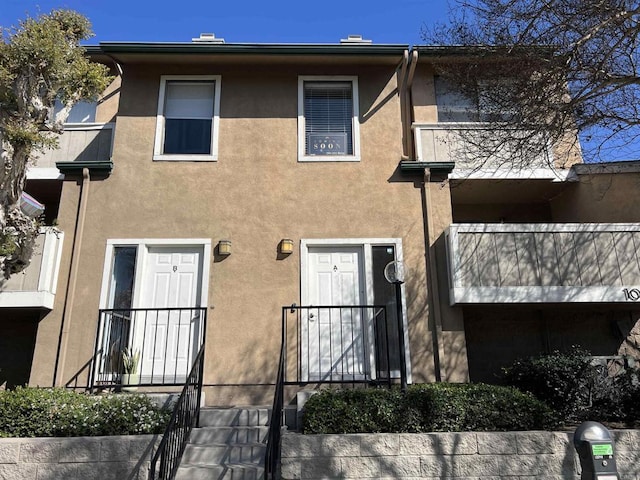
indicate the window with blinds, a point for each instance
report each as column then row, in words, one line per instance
column 328, row 118
column 187, row 118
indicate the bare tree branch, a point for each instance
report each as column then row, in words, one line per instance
column 564, row 66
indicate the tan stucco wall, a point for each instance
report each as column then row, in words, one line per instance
column 254, row 195
column 423, row 95
column 446, row 321
column 600, row 198
column 107, row 107
column 45, row 354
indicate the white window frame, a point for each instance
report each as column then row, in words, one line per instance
column 355, row 120
column 215, row 121
column 143, row 245
column 366, row 244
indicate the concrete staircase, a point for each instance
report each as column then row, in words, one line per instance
column 230, row 444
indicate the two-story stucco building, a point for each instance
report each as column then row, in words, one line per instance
column 215, row 183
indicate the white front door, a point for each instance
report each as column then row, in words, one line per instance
column 171, row 279
column 335, row 338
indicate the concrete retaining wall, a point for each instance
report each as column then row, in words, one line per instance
column 494, row 456
column 78, row 458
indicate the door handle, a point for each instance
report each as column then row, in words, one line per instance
column 311, row 317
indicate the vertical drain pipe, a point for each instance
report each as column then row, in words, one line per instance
column 63, row 339
column 407, row 121
column 402, row 93
column 432, row 283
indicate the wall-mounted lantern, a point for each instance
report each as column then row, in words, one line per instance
column 286, row 246
column 224, row 247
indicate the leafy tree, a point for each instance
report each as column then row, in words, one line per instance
column 546, row 69
column 41, row 61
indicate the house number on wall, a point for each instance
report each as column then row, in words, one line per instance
column 175, row 268
column 631, row 295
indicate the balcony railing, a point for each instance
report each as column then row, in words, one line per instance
column 35, row 286
column 162, row 342
column 543, row 263
column 339, row 344
column 455, row 143
column 80, row 142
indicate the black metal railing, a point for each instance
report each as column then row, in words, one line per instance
column 272, row 455
column 146, row 346
column 357, row 345
column 186, row 415
column 339, row 344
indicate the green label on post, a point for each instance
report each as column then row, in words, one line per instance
column 605, row 449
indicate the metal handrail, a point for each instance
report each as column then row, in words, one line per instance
column 186, row 415
column 138, row 330
column 275, row 424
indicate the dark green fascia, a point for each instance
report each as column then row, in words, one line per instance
column 245, row 48
column 75, row 168
column 414, row 166
column 482, row 50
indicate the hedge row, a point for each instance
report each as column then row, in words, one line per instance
column 426, row 408
column 39, row 412
column 578, row 389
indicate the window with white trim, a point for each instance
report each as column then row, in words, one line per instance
column 188, row 115
column 328, row 127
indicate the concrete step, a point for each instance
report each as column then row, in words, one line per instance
column 213, row 454
column 234, row 417
column 220, row 472
column 204, row 435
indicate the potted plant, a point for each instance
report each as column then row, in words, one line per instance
column 130, row 376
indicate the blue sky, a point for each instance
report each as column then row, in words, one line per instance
column 247, row 21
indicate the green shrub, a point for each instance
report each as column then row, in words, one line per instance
column 562, row 380
column 425, row 408
column 35, row 412
column 576, row 388
column 352, row 411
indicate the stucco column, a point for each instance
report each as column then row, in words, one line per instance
column 446, row 322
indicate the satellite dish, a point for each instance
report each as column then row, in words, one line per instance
column 394, row 272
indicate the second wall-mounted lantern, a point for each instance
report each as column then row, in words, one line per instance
column 224, row 247
column 286, row 246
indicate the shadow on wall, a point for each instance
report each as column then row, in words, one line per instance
column 439, row 455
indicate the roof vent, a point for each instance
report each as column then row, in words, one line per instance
column 354, row 39
column 207, row 38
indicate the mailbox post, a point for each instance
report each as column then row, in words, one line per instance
column 594, row 445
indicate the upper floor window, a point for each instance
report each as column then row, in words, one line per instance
column 187, row 121
column 81, row 112
column 328, row 127
column 455, row 106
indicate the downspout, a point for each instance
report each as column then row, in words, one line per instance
column 65, row 325
column 432, row 282
column 402, row 92
column 117, row 65
column 409, row 104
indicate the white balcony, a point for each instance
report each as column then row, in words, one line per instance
column 35, row 286
column 448, row 143
column 543, row 263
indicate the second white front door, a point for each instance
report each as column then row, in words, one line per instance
column 166, row 337
column 335, row 346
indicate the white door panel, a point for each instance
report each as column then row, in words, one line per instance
column 172, row 279
column 335, row 338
